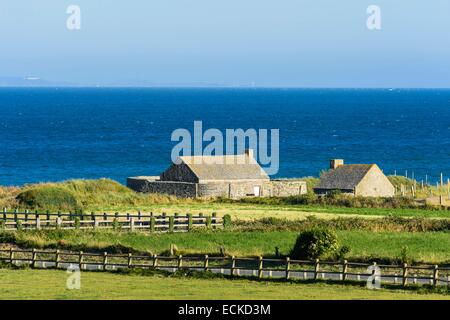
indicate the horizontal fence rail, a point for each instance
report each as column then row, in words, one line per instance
column 259, row 267
column 14, row 220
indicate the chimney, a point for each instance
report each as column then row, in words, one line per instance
column 250, row 153
column 334, row 163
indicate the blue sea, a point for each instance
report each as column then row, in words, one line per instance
column 54, row 134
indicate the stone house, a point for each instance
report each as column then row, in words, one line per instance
column 230, row 176
column 365, row 180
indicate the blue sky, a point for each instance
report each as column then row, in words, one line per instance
column 299, row 43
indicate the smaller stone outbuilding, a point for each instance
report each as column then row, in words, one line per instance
column 365, row 180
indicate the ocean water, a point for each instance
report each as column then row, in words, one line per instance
column 50, row 134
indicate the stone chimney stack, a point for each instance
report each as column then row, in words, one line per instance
column 334, row 163
column 250, row 153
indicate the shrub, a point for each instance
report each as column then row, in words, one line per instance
column 342, row 253
column 404, row 255
column 314, row 243
column 48, row 197
column 226, row 221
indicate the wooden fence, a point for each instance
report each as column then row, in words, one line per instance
column 236, row 266
column 13, row 220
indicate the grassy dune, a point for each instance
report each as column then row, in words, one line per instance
column 51, row 284
column 110, row 196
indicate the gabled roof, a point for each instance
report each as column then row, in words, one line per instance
column 225, row 167
column 345, row 177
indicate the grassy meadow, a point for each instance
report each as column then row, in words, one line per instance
column 426, row 247
column 51, row 284
column 385, row 230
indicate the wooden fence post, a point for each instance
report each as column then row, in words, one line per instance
column 26, row 215
column 260, row 267
column 33, row 258
column 233, row 265
column 205, row 266
column 57, row 258
column 288, row 267
column 435, row 275
column 163, row 216
column 4, row 214
column 105, row 260
column 80, row 260
column 38, row 222
column 316, row 268
column 405, row 274
column 155, row 260
column 11, row 255
column 171, row 223
column 58, row 223
column 344, row 270
column 131, row 224
column 189, row 216
column 152, row 224
column 180, row 262
column 129, row 262
column 175, row 220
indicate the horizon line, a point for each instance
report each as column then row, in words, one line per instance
column 218, row 87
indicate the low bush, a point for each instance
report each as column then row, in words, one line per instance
column 314, row 243
column 342, row 253
column 226, row 221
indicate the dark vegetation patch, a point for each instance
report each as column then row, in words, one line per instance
column 335, row 199
column 390, row 223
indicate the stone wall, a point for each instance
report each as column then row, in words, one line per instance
column 288, row 187
column 139, row 184
column 213, row 189
column 233, row 190
column 178, row 189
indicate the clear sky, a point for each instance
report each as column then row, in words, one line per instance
column 304, row 43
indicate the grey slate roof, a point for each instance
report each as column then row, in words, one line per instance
column 226, row 167
column 345, row 177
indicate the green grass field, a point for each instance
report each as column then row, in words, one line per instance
column 258, row 211
column 51, row 284
column 383, row 241
column 428, row 247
